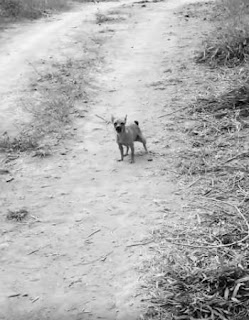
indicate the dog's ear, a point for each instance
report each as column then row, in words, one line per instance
column 112, row 119
column 125, row 119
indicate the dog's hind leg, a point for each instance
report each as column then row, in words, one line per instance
column 132, row 153
column 127, row 151
column 144, row 144
column 142, row 139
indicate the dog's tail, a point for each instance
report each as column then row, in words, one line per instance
column 136, row 122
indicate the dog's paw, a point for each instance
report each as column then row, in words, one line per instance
column 132, row 161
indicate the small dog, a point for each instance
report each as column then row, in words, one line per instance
column 127, row 135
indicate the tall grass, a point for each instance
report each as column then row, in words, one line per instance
column 228, row 45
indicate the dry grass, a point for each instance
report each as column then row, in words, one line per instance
column 188, row 291
column 50, row 112
column 228, row 44
column 30, row 8
column 112, row 16
column 17, row 215
column 206, row 276
column 51, row 103
column 201, row 268
column 33, row 9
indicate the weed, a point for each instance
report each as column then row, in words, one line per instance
column 22, row 142
column 17, row 215
column 102, row 18
column 111, row 16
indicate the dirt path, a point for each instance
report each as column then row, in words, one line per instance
column 75, row 261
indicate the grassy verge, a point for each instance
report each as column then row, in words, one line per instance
column 204, row 273
column 58, row 94
column 51, row 104
column 32, row 9
column 228, row 45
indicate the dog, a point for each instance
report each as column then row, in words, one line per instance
column 127, row 135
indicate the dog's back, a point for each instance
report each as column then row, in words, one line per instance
column 134, row 131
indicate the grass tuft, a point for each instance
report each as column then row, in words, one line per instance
column 188, row 292
column 17, row 215
column 109, row 17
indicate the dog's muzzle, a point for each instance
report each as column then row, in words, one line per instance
column 118, row 129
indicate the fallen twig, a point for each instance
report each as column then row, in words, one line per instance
column 237, row 156
column 169, row 114
column 35, row 299
column 91, row 234
column 14, row 295
column 194, row 182
column 139, row 244
column 34, row 251
column 106, row 121
column 190, row 185
column 102, row 258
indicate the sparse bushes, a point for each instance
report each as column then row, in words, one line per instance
column 10, row 8
column 228, row 45
column 111, row 16
column 31, row 9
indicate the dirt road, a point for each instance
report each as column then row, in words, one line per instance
column 78, row 256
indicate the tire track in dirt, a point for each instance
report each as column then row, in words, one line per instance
column 75, row 261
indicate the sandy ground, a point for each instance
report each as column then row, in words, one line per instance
column 74, row 258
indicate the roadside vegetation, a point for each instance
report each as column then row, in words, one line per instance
column 206, row 273
column 228, row 45
column 32, row 9
column 58, row 95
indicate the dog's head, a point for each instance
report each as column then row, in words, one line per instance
column 119, row 124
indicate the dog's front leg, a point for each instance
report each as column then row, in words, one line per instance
column 132, row 153
column 121, row 152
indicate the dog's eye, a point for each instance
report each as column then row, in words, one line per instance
column 115, row 123
column 122, row 123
